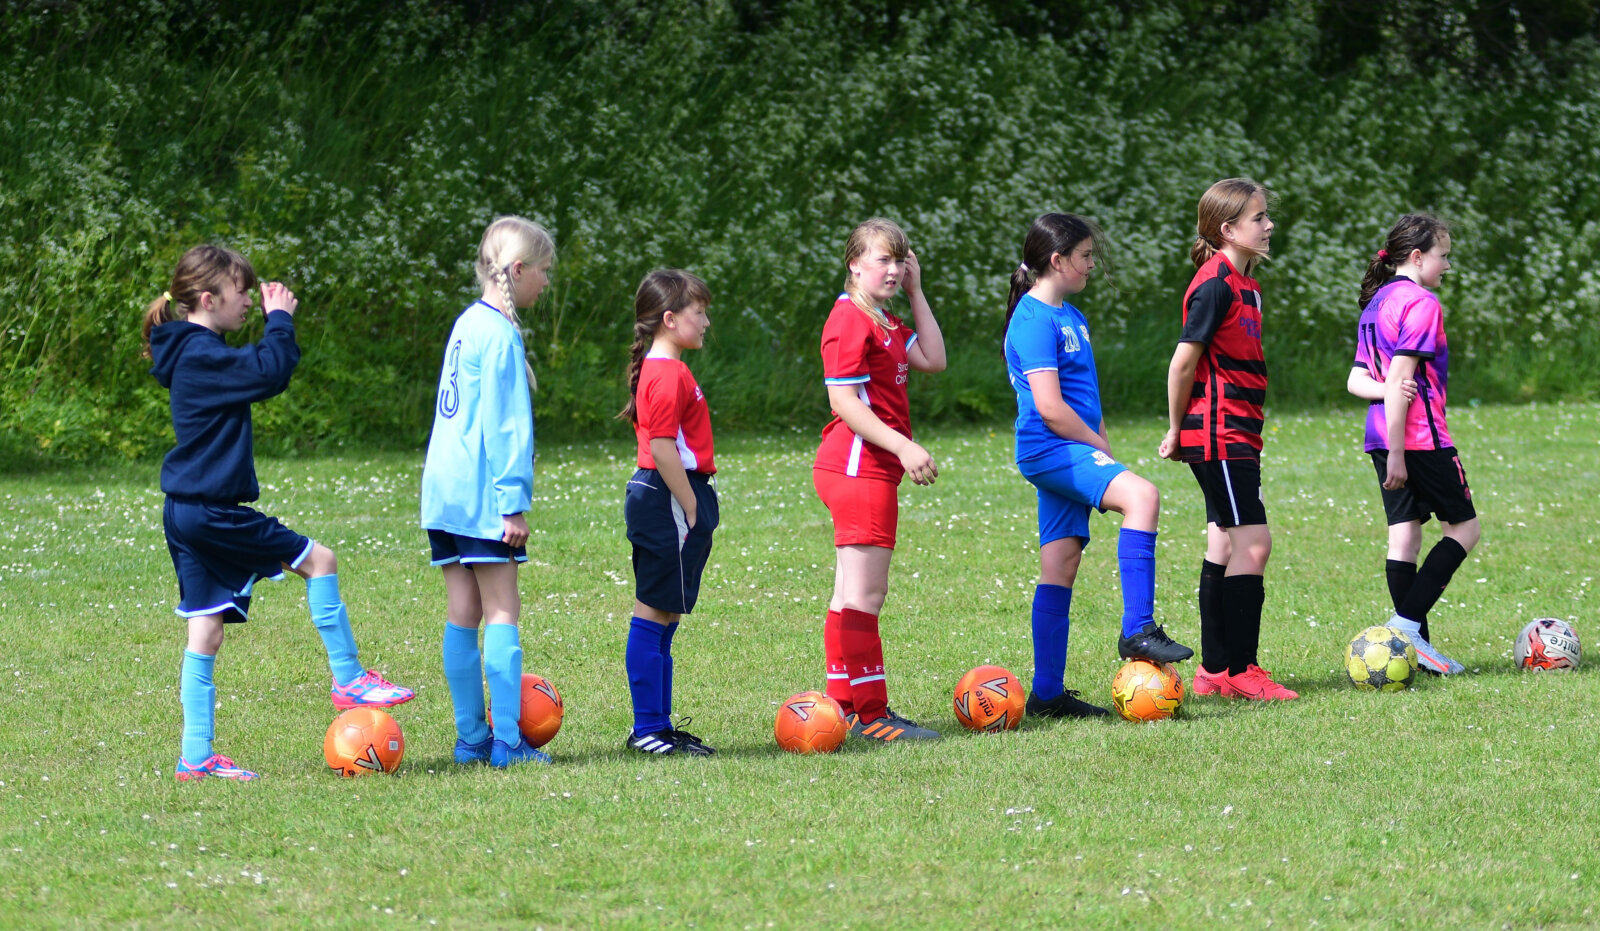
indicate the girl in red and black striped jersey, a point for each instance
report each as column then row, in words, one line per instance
column 1216, row 386
column 670, row 504
column 867, row 353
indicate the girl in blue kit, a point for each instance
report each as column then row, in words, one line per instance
column 476, row 484
column 1063, row 450
column 220, row 547
column 670, row 504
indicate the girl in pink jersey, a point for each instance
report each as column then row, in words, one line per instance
column 1399, row 340
column 670, row 505
column 867, row 353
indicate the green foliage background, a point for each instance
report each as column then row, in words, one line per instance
column 356, row 149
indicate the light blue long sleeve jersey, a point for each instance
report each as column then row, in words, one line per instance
column 480, row 456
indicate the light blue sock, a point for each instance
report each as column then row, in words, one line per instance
column 198, row 696
column 1136, row 558
column 502, row 666
column 1052, row 623
column 333, row 623
column 463, row 672
column 666, row 669
column 642, row 657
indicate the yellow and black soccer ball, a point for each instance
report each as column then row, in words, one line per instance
column 1381, row 659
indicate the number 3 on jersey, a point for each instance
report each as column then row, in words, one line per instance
column 449, row 393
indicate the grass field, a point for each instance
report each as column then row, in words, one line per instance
column 1465, row 802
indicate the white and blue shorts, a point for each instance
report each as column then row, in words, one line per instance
column 1071, row 479
column 219, row 551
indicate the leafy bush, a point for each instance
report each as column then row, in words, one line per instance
column 356, row 150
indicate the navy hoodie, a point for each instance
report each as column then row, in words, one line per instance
column 212, row 386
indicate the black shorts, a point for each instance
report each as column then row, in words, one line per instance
column 446, row 548
column 669, row 556
column 1233, row 491
column 1435, row 483
column 220, row 550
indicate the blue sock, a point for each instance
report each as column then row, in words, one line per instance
column 198, row 696
column 1052, row 622
column 1136, row 558
column 463, row 672
column 666, row 668
column 502, row 666
column 645, row 667
column 333, row 623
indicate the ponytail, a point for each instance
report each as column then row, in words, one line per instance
column 1413, row 232
column 663, row 291
column 201, row 269
column 1050, row 234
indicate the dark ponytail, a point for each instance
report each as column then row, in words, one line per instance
column 1050, row 234
column 663, row 291
column 1414, row 231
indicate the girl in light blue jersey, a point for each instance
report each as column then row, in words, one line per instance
column 476, row 484
column 1063, row 450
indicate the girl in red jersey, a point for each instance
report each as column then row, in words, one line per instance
column 866, row 448
column 671, row 506
column 1216, row 386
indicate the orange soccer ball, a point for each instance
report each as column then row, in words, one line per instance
column 990, row 699
column 810, row 722
column 363, row 740
column 1144, row 691
column 541, row 710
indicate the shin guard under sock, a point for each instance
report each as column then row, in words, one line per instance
column 1242, row 598
column 502, row 667
column 463, row 673
column 1432, row 577
column 643, row 660
column 1136, row 559
column 1213, row 643
column 1052, row 626
column 863, row 656
column 838, row 672
column 197, row 694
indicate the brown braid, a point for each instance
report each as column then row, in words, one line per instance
column 663, row 291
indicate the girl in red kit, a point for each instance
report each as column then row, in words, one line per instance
column 867, row 353
column 671, row 506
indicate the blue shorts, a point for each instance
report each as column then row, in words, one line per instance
column 449, row 548
column 220, row 550
column 1071, row 478
column 669, row 556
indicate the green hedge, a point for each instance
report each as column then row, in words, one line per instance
column 357, row 149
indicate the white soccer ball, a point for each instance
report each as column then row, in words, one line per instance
column 1548, row 643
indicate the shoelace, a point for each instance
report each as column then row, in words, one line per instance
column 679, row 732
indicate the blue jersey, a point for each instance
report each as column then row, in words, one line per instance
column 480, row 455
column 1041, row 338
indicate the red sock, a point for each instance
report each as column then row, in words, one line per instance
column 863, row 656
column 838, row 672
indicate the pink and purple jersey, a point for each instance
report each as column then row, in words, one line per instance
column 1405, row 319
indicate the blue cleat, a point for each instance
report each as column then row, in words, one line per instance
column 501, row 756
column 469, row 753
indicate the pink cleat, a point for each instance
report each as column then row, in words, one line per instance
column 370, row 690
column 217, row 766
column 1208, row 683
column 1256, row 684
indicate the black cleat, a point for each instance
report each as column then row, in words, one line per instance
column 659, row 743
column 1066, row 705
column 891, row 728
column 688, row 743
column 1152, row 643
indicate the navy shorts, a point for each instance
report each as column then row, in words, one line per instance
column 669, row 556
column 1071, row 478
column 448, row 548
column 219, row 551
column 1232, row 488
column 1435, row 483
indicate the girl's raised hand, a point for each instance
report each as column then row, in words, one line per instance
column 275, row 295
column 919, row 464
column 911, row 280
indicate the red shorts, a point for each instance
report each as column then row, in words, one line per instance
column 865, row 510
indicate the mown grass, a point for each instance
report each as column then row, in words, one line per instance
column 1459, row 803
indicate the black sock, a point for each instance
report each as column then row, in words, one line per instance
column 1242, row 598
column 1213, row 648
column 1402, row 575
column 1432, row 577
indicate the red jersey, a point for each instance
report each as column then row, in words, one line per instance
column 1222, row 309
column 670, row 404
column 857, row 351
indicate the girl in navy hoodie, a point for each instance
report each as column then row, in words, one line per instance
column 220, row 547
